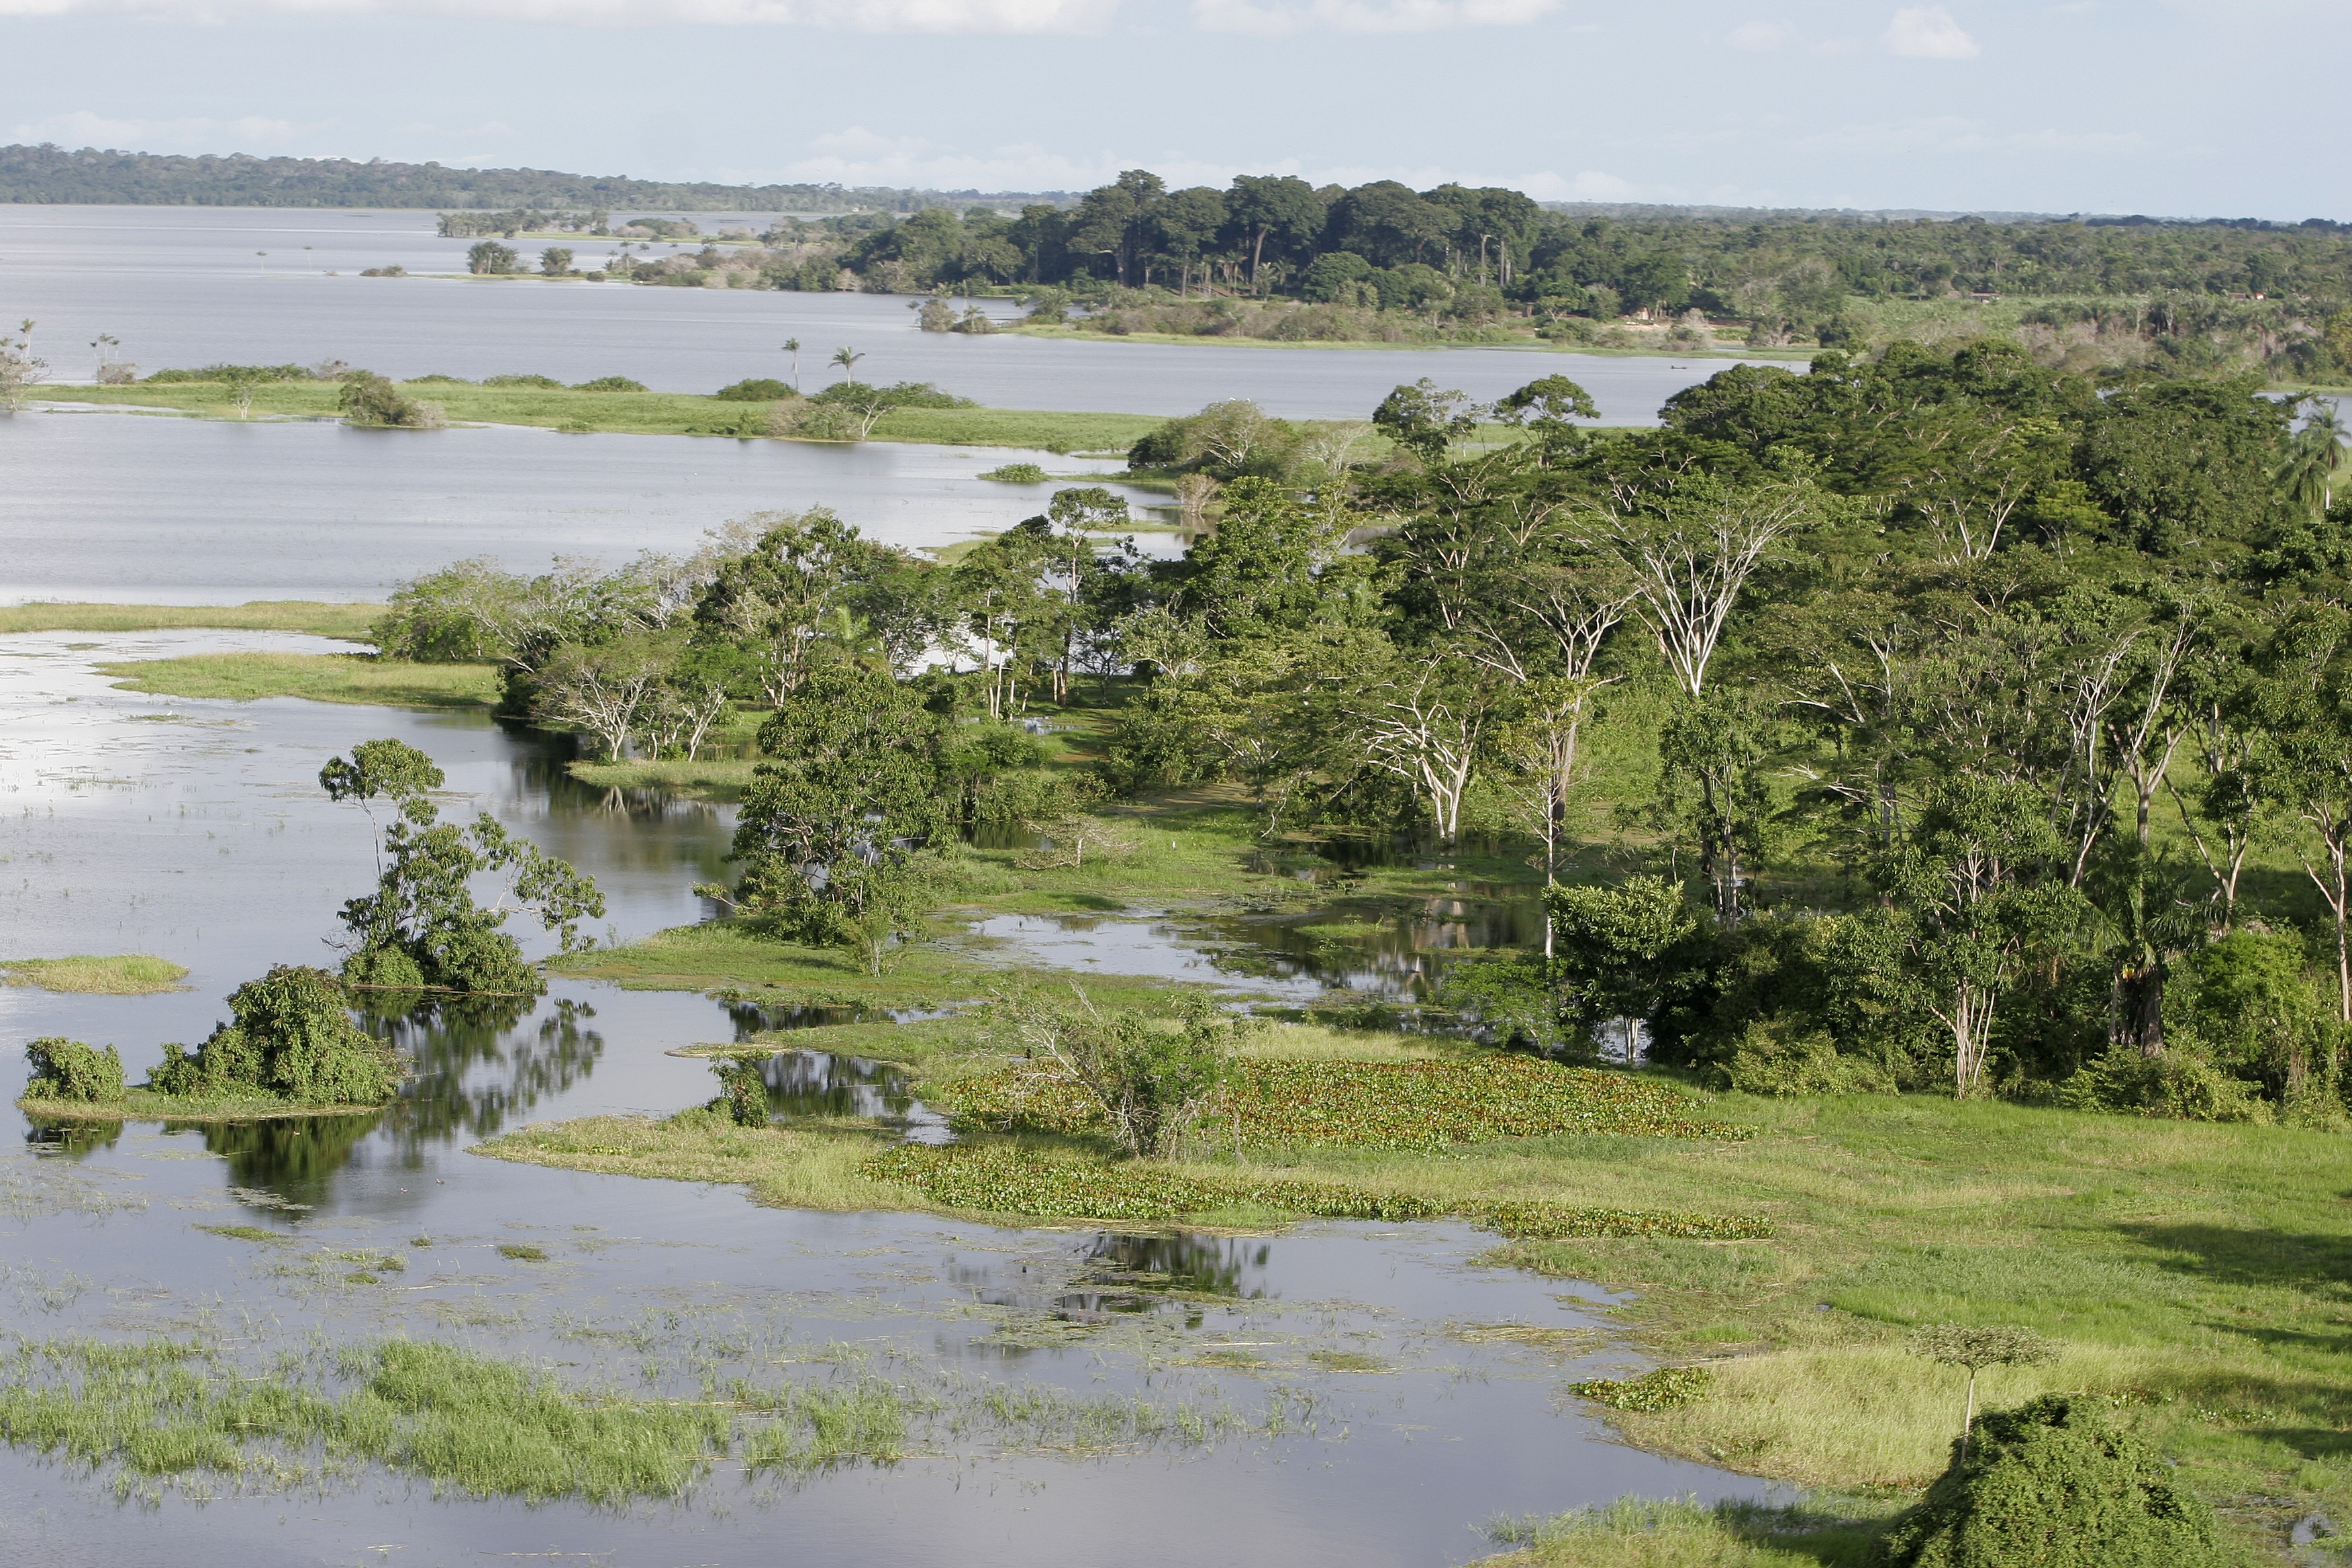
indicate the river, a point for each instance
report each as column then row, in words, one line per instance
column 182, row 286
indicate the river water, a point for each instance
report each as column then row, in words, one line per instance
column 182, row 286
column 1421, row 1393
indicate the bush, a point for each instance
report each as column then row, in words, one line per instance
column 610, row 383
column 744, row 1091
column 758, row 389
column 2053, row 1483
column 293, row 1037
column 1769, row 1057
column 1148, row 1083
column 546, row 382
column 2178, row 1084
column 1017, row 473
column 68, row 1070
column 374, row 403
column 231, row 372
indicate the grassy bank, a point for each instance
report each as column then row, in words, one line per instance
column 354, row 678
column 146, row 1105
column 118, row 975
column 643, row 412
column 347, row 621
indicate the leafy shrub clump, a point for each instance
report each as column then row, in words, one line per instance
column 743, row 1091
column 231, row 372
column 291, row 1038
column 1003, row 1180
column 545, row 383
column 1017, row 473
column 372, row 402
column 68, row 1070
column 756, row 389
column 2178, row 1084
column 2056, row 1483
column 1769, row 1060
column 1667, row 1388
column 610, row 383
column 1375, row 1105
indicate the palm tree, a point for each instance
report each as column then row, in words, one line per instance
column 847, row 360
column 792, row 347
column 2313, row 454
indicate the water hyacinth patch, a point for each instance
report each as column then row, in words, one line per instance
column 1667, row 1388
column 1374, row 1105
column 1555, row 1222
column 1001, row 1179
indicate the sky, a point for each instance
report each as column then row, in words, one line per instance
column 2178, row 107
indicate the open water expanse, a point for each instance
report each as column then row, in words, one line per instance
column 1339, row 1394
column 182, row 286
column 1394, row 1399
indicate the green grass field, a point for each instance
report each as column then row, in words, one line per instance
column 354, row 678
column 347, row 621
column 641, row 414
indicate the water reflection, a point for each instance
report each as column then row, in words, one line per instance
column 1121, row 1275
column 804, row 1083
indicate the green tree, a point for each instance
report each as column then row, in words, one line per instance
column 1280, row 211
column 555, row 261
column 1619, row 953
column 1149, row 1081
column 837, row 827
column 489, row 258
column 421, row 928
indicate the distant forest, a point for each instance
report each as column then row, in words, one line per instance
column 1274, row 256
column 53, row 174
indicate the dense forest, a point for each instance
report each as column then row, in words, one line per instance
column 1274, row 256
column 89, row 175
column 1935, row 718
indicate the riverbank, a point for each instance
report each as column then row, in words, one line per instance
column 637, row 414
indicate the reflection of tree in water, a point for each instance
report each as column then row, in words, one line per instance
column 289, row 1157
column 821, row 1083
column 446, row 1043
column 1123, row 1276
column 1192, row 1265
column 74, row 1139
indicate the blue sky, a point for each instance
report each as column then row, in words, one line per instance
column 2232, row 107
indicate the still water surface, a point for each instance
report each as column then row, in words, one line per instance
column 182, row 286
column 121, row 508
column 195, row 829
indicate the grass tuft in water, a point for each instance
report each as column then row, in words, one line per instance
column 522, row 1252
column 242, row 1232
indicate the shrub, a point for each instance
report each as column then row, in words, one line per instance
column 68, row 1070
column 610, row 383
column 2056, row 1484
column 1017, row 473
column 291, row 1037
column 1148, row 1084
column 2178, row 1084
column 547, row 383
column 744, row 1091
column 374, row 402
column 1770, row 1059
column 758, row 389
column 231, row 372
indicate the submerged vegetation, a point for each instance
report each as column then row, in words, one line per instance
column 179, row 1412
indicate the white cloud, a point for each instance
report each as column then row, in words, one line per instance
column 861, row 16
column 247, row 133
column 1759, row 37
column 1281, row 19
column 1928, row 33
